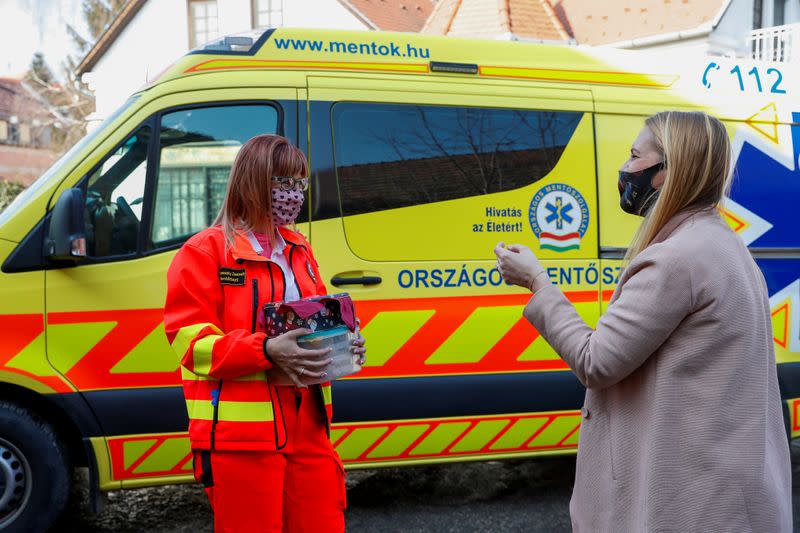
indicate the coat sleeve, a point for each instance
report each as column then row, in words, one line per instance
column 654, row 299
column 193, row 321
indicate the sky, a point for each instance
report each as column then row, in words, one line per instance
column 28, row 26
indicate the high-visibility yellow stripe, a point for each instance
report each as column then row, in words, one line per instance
column 477, row 335
column 183, row 339
column 398, row 441
column 390, row 330
column 479, row 436
column 231, row 411
column 440, row 438
column 358, row 441
column 585, row 76
column 165, row 457
column 201, row 354
column 556, row 431
column 188, row 375
column 327, row 397
column 133, row 449
column 521, row 431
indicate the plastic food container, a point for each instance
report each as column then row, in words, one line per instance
column 344, row 362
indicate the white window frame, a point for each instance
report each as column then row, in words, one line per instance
column 211, row 30
column 271, row 9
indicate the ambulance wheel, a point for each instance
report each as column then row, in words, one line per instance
column 34, row 471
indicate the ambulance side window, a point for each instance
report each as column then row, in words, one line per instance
column 114, row 195
column 390, row 156
column 197, row 147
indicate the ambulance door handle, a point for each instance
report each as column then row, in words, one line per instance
column 363, row 280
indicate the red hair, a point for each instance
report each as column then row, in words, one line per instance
column 248, row 200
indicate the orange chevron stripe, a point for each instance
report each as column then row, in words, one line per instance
column 116, row 447
column 20, row 331
column 449, row 315
column 782, row 342
column 93, row 371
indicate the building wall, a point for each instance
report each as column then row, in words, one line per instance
column 320, row 14
column 159, row 34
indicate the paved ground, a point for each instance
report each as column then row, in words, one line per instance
column 526, row 496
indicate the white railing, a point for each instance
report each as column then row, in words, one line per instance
column 778, row 43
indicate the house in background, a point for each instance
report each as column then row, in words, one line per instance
column 24, row 133
column 765, row 29
column 147, row 36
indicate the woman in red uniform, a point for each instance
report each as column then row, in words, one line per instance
column 260, row 437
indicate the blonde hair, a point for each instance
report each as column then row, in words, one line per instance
column 697, row 152
column 248, row 200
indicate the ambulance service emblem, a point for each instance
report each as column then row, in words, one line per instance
column 559, row 217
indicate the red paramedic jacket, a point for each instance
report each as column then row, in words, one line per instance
column 214, row 297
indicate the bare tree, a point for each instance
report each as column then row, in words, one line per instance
column 67, row 100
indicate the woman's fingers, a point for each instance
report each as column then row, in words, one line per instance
column 313, row 354
column 311, row 363
column 295, row 379
column 308, row 374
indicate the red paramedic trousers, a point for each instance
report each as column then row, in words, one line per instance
column 296, row 489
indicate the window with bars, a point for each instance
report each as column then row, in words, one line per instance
column 203, row 22
column 197, row 149
column 267, row 13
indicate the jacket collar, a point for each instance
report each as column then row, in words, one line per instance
column 679, row 219
column 246, row 247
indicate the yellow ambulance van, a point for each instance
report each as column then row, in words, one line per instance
column 425, row 152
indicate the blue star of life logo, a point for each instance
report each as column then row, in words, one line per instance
column 558, row 209
column 559, row 213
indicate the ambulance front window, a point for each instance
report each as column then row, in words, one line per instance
column 114, row 196
column 197, row 149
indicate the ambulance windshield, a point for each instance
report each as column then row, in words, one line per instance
column 53, row 171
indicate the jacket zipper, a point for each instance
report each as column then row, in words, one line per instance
column 296, row 284
column 216, row 416
column 269, row 387
column 255, row 304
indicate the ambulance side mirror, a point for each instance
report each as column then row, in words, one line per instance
column 66, row 236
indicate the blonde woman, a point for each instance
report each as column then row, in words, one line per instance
column 682, row 427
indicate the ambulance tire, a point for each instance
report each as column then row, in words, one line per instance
column 34, row 471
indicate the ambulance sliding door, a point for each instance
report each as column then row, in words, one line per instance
column 414, row 183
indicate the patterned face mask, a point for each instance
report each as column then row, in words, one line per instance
column 285, row 206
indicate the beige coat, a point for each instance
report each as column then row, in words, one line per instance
column 682, row 426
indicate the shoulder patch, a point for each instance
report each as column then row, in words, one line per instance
column 231, row 276
column 310, row 270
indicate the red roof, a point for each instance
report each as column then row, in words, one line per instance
column 391, row 15
column 529, row 19
column 622, row 20
column 587, row 22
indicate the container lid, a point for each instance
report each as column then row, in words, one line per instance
column 341, row 330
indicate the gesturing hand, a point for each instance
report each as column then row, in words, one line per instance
column 519, row 266
column 296, row 362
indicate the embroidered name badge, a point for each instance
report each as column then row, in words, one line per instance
column 231, row 276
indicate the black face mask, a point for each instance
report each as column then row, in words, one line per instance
column 636, row 192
